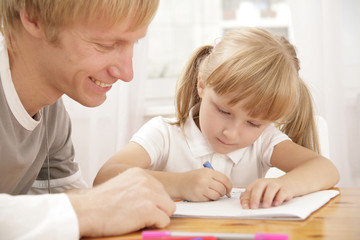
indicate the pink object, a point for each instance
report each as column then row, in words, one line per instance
column 154, row 234
column 257, row 236
column 270, row 236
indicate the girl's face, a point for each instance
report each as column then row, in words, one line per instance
column 226, row 127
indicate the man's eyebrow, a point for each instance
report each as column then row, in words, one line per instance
column 127, row 40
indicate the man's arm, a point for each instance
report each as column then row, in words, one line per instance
column 129, row 202
column 37, row 217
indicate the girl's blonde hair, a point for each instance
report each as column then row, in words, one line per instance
column 55, row 14
column 252, row 64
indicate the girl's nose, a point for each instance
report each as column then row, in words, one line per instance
column 232, row 131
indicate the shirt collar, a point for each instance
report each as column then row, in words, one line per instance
column 198, row 144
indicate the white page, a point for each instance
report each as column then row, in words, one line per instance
column 298, row 208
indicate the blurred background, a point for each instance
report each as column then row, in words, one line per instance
column 326, row 34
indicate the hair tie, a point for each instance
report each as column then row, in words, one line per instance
column 217, row 41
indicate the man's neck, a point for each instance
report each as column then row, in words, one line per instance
column 30, row 85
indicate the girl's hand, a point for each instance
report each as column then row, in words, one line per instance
column 267, row 191
column 204, row 184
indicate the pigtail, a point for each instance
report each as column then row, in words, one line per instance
column 300, row 126
column 186, row 87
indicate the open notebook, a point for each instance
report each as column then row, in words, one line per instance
column 298, row 208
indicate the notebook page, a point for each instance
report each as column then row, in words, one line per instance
column 298, row 208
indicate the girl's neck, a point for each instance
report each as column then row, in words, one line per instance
column 196, row 120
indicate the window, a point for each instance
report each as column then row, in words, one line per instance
column 180, row 27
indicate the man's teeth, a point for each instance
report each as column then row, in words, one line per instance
column 101, row 84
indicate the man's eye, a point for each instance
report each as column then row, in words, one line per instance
column 105, row 47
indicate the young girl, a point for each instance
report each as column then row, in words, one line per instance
column 242, row 106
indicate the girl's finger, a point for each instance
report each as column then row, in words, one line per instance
column 245, row 199
column 269, row 195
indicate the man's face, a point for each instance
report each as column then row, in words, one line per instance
column 88, row 59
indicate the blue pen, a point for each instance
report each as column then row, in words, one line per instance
column 208, row 165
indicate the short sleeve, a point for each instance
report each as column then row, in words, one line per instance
column 153, row 136
column 269, row 139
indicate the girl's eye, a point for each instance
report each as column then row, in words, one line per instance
column 254, row 124
column 223, row 112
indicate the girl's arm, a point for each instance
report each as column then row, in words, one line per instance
column 197, row 185
column 306, row 172
column 132, row 155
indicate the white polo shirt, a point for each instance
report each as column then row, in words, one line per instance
column 171, row 150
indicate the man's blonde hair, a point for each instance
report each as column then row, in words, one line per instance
column 252, row 64
column 55, row 14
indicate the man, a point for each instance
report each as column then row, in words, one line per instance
column 78, row 48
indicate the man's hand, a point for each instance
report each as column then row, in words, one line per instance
column 128, row 202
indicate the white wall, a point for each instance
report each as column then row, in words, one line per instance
column 327, row 36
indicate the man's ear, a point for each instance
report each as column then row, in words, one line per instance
column 32, row 26
column 200, row 87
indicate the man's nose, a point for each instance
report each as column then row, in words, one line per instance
column 122, row 66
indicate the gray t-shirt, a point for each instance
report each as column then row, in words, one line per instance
column 24, row 144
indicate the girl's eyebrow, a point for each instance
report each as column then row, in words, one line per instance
column 259, row 121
